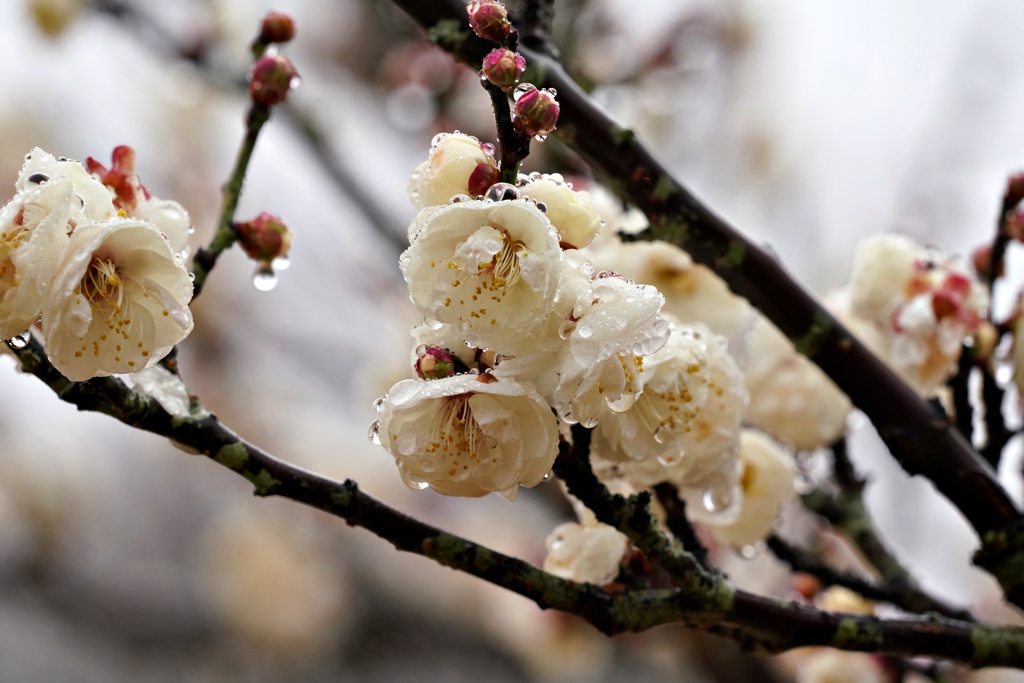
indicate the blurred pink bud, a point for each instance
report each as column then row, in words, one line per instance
column 483, row 176
column 536, row 110
column 489, row 19
column 270, row 80
column 264, row 238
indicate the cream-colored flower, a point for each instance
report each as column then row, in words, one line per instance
column 463, row 436
column 169, row 217
column 835, row 666
column 568, row 210
column 881, row 268
column 490, row 268
column 791, row 399
column 448, row 171
column 33, row 234
column 585, row 553
column 118, row 303
column 693, row 293
column 688, row 415
column 93, row 202
column 766, row 483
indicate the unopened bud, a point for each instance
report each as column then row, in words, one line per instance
column 264, row 238
column 489, row 19
column 435, row 363
column 502, row 67
column 536, row 111
column 981, row 259
column 483, row 176
column 277, row 27
column 270, row 80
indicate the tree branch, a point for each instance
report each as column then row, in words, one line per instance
column 922, row 440
column 758, row 624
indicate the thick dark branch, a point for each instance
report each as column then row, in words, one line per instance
column 678, row 523
column 921, row 439
column 758, row 624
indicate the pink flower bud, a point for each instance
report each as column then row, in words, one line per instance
column 264, row 238
column 489, row 19
column 502, row 67
column 536, row 110
column 435, row 363
column 483, row 176
column 270, row 80
column 277, row 27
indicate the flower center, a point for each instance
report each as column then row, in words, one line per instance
column 103, row 285
column 10, row 240
column 504, row 267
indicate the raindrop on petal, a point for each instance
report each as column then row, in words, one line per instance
column 20, row 341
column 374, row 434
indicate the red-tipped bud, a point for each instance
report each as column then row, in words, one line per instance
column 264, row 238
column 502, row 67
column 270, row 80
column 482, row 177
column 277, row 27
column 536, row 110
column 435, row 363
column 489, row 19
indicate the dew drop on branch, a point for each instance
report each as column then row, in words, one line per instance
column 20, row 341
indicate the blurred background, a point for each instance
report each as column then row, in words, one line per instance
column 808, row 125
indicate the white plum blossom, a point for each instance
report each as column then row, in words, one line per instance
column 118, row 302
column 585, row 553
column 465, row 436
column 449, row 171
column 491, row 269
column 791, row 399
column 834, row 666
column 688, row 416
column 568, row 210
column 921, row 304
column 93, row 201
column 766, row 483
column 589, row 353
column 33, row 234
column 693, row 293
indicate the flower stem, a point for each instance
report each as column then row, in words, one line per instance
column 513, row 144
column 206, row 258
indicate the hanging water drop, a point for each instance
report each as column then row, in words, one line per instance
column 374, row 434
column 501, row 192
column 488, row 149
column 522, row 89
column 540, row 138
column 281, row 263
column 547, row 476
column 584, row 330
column 20, row 341
column 566, row 328
column 378, row 403
column 264, row 279
column 716, row 500
column 438, row 139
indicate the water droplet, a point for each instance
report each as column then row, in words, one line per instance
column 20, row 341
column 488, row 149
column 501, row 192
column 38, row 178
column 566, row 328
column 589, row 423
column 620, row 323
column 420, row 350
column 540, row 138
column 295, row 82
column 281, row 263
column 264, row 279
column 716, row 500
column 459, row 198
column 378, row 403
column 542, row 207
column 547, row 476
column 661, row 435
column 751, row 551
column 416, row 485
column 374, row 434
column 432, row 324
column 556, row 543
column 584, row 330
column 552, row 91
column 802, row 483
column 522, row 89
column 438, row 139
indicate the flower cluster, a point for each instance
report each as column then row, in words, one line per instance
column 914, row 307
column 521, row 332
column 95, row 257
